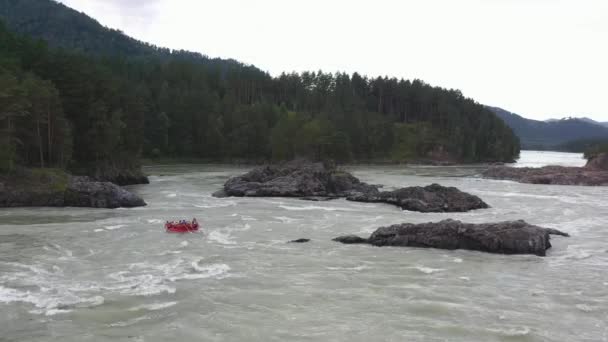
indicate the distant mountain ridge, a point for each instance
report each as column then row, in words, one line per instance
column 591, row 121
column 551, row 134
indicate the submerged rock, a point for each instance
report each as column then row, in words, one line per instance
column 318, row 181
column 300, row 241
column 432, row 198
column 350, row 239
column 53, row 188
column 511, row 237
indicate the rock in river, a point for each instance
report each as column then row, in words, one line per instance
column 317, row 181
column 300, row 241
column 297, row 178
column 511, row 237
column 82, row 192
column 432, row 198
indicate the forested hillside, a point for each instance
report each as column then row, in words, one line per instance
column 99, row 100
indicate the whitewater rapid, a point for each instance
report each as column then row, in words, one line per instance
column 104, row 275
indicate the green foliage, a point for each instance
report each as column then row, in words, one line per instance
column 412, row 141
column 114, row 99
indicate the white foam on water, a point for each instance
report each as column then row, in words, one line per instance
column 428, row 270
column 99, row 230
column 219, row 237
column 171, row 195
column 356, row 268
column 49, row 301
column 218, row 204
column 52, row 292
column 118, row 226
column 285, row 219
column 154, row 221
column 457, row 260
column 218, row 271
column 153, row 307
column 464, row 278
column 184, row 244
column 584, row 307
column 512, row 332
column 129, row 322
column 133, row 284
column 314, row 207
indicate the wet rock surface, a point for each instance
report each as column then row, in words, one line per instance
column 432, row 198
column 318, row 182
column 300, row 241
column 298, row 178
column 83, row 192
column 510, row 237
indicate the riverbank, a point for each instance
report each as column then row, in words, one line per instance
column 594, row 173
column 56, row 188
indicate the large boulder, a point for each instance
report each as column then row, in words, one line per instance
column 556, row 175
column 511, row 237
column 432, row 198
column 84, row 192
column 298, row 178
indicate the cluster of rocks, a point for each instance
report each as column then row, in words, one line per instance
column 66, row 191
column 319, row 181
column 593, row 174
column 511, row 237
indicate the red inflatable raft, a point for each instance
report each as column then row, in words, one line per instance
column 187, row 227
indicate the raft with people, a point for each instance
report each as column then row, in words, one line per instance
column 182, row 226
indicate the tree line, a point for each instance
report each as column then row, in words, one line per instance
column 65, row 108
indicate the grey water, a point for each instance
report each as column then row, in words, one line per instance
column 71, row 274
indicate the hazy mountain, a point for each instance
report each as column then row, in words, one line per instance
column 551, row 134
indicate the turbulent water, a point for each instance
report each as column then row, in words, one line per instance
column 97, row 275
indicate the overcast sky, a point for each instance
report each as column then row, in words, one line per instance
column 538, row 58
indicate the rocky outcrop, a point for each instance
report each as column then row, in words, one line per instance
column 511, row 237
column 318, row 181
column 83, row 192
column 295, row 179
column 57, row 189
column 432, row 198
column 556, row 175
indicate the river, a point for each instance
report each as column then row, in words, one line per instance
column 115, row 275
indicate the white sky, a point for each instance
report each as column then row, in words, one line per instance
column 539, row 58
